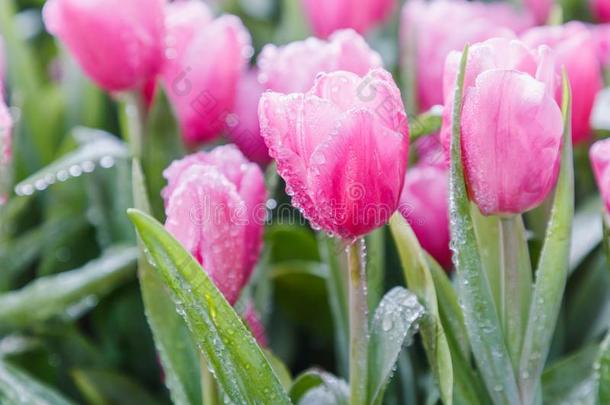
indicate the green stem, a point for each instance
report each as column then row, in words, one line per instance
column 209, row 393
column 133, row 121
column 358, row 319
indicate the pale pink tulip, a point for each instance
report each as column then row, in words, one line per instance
column 214, row 203
column 576, row 50
column 600, row 160
column 327, row 16
column 293, row 68
column 511, row 125
column 341, row 148
column 424, row 203
column 432, row 29
column 540, row 9
column 601, row 39
column 242, row 124
column 601, row 9
column 204, row 61
column 5, row 150
column 118, row 43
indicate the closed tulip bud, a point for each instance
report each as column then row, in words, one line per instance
column 5, row 150
column 424, row 203
column 576, row 50
column 431, row 29
column 242, row 124
column 341, row 148
column 511, row 125
column 600, row 160
column 214, row 202
column 325, row 17
column 601, row 9
column 204, row 61
column 118, row 43
column 344, row 50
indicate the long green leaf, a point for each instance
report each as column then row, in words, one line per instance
column 603, row 372
column 239, row 365
column 482, row 323
column 552, row 271
column 562, row 380
column 103, row 387
column 177, row 351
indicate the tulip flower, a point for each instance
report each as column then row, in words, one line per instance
column 204, row 61
column 601, row 9
column 214, row 202
column 540, row 9
column 242, row 124
column 118, row 43
column 576, row 50
column 5, row 149
column 600, row 160
column 341, row 148
column 344, row 50
column 601, row 39
column 424, row 203
column 511, row 124
column 432, row 29
column 325, row 17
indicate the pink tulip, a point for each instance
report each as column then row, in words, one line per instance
column 242, row 125
column 255, row 325
column 327, row 16
column 575, row 49
column 204, row 61
column 540, row 9
column 345, row 50
column 341, row 148
column 601, row 9
column 432, row 29
column 600, row 160
column 118, row 43
column 601, row 39
column 511, row 125
column 424, row 203
column 5, row 149
column 214, row 202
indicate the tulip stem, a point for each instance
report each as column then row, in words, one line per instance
column 209, row 393
column 133, row 120
column 358, row 320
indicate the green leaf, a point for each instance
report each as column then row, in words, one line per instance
column 61, row 294
column 17, row 387
column 563, row 379
column 395, row 322
column 319, row 387
column 239, row 365
column 586, row 233
column 426, row 123
column 104, row 387
column 279, row 368
column 603, row 372
column 177, row 351
column 552, row 271
column 482, row 323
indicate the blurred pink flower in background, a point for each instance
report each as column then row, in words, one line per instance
column 576, row 50
column 430, row 30
column 601, row 9
column 327, row 16
column 214, row 202
column 119, row 44
column 342, row 149
column 294, row 67
column 601, row 39
column 5, row 150
column 204, row 60
column 511, row 125
column 255, row 325
column 600, row 160
column 540, row 9
column 424, row 203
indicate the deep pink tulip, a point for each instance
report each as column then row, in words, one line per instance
column 5, row 149
column 601, row 9
column 255, row 325
column 600, row 160
column 344, row 50
column 214, row 203
column 204, row 61
column 118, row 43
column 325, row 17
column 341, row 148
column 432, row 29
column 511, row 125
column 540, row 9
column 576, row 50
column 424, row 203
column 242, row 125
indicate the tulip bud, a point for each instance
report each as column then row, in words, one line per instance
column 214, row 202
column 424, row 203
column 511, row 125
column 204, row 61
column 575, row 49
column 325, row 17
column 431, row 29
column 5, row 150
column 601, row 9
column 344, row 50
column 118, row 43
column 341, row 148
column 600, row 160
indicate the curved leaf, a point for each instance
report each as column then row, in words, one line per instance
column 101, row 387
column 317, row 387
column 17, row 387
column 239, row 365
